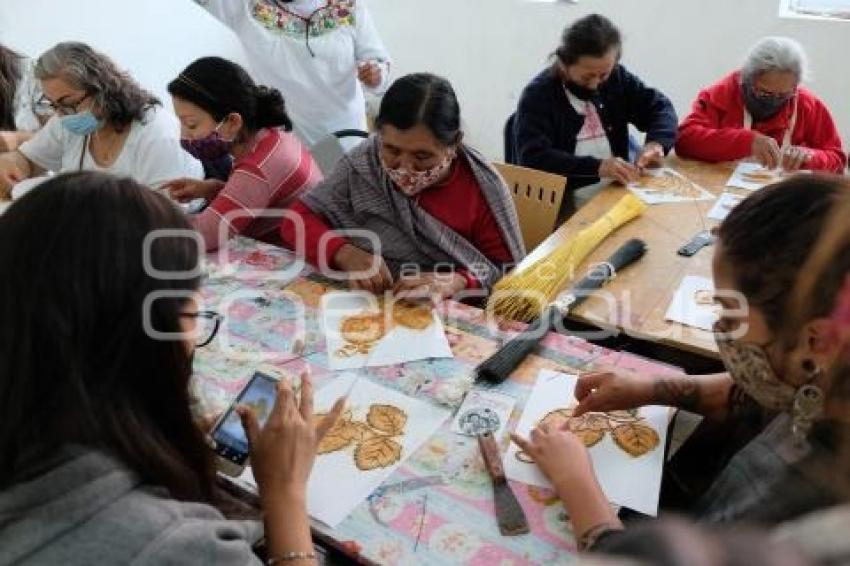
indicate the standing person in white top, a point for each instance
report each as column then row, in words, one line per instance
column 19, row 95
column 318, row 53
column 103, row 121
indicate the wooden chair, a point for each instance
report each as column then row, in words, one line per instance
column 537, row 197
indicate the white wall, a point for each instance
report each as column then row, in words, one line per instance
column 152, row 39
column 489, row 49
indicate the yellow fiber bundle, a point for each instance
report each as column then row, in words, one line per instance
column 523, row 295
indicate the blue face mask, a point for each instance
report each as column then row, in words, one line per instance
column 81, row 124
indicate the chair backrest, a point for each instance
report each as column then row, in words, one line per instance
column 328, row 151
column 508, row 139
column 537, row 196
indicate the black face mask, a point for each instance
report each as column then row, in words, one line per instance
column 581, row 92
column 760, row 108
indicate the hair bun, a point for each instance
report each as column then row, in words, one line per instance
column 271, row 108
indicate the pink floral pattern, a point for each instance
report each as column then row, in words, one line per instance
column 336, row 15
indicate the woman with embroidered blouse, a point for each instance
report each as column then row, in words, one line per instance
column 441, row 220
column 316, row 52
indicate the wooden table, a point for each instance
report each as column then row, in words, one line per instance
column 643, row 291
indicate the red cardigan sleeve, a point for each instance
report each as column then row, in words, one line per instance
column 314, row 228
column 702, row 137
column 824, row 141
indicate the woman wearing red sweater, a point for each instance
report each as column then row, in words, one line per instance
column 225, row 117
column 762, row 112
column 431, row 215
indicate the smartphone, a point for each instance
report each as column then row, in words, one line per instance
column 229, row 441
column 698, row 242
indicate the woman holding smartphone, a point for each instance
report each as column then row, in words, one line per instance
column 101, row 457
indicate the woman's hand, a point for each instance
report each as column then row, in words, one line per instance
column 370, row 74
column 366, row 271
column 766, row 151
column 560, row 455
column 429, row 286
column 652, row 155
column 283, row 451
column 613, row 390
column 795, row 158
column 187, row 190
column 619, row 170
column 14, row 168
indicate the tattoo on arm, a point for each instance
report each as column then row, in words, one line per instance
column 679, row 392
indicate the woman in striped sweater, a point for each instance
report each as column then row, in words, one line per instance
column 224, row 115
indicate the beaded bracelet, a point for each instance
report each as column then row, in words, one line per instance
column 290, row 556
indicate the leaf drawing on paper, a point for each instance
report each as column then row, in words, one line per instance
column 375, row 440
column 635, row 438
column 670, row 185
column 386, row 418
column 362, row 331
column 377, row 452
column 631, row 432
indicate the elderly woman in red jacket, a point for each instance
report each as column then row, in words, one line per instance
column 761, row 111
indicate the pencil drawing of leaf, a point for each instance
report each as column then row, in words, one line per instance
column 377, row 452
column 589, row 436
column 635, row 438
column 386, row 418
column 339, row 436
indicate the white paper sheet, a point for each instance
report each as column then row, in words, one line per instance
column 690, row 305
column 336, row 485
column 483, row 411
column 724, row 206
column 399, row 344
column 740, row 176
column 656, row 196
column 626, row 480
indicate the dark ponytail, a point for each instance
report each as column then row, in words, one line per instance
column 422, row 99
column 271, row 109
column 221, row 87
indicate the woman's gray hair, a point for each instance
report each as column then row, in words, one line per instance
column 118, row 98
column 781, row 54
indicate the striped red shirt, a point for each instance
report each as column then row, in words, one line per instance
column 270, row 177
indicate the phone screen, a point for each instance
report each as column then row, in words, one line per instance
column 230, row 440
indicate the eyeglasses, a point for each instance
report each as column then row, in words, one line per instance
column 767, row 95
column 46, row 106
column 208, row 323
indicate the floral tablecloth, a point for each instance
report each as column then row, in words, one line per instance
column 438, row 507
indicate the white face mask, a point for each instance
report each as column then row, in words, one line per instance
column 412, row 183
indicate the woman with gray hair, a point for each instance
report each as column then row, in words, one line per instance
column 103, row 121
column 761, row 111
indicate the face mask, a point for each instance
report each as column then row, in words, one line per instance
column 581, row 92
column 762, row 108
column 208, row 148
column 751, row 370
column 412, row 183
column 81, row 124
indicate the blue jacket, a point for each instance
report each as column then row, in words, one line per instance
column 546, row 125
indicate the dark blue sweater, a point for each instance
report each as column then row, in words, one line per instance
column 546, row 124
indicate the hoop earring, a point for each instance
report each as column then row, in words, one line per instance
column 808, row 407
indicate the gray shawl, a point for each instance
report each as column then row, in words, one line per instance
column 358, row 195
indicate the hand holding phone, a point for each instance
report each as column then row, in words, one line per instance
column 283, row 450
